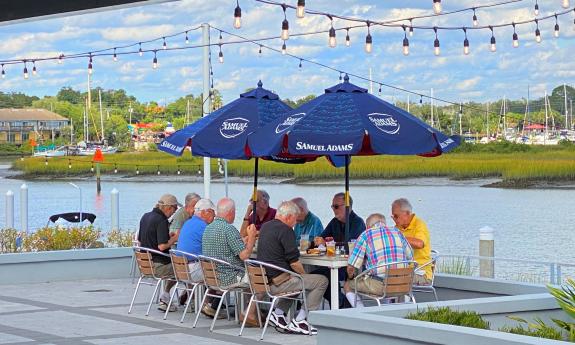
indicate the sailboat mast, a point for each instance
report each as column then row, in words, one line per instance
column 432, row 120
column 566, row 112
column 546, row 132
column 101, row 114
column 487, row 120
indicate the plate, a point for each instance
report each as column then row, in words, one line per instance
column 306, row 254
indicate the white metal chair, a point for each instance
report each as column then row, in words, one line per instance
column 146, row 266
column 213, row 283
column 134, row 264
column 397, row 281
column 428, row 288
column 261, row 293
column 184, row 279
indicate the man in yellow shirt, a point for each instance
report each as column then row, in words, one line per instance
column 415, row 231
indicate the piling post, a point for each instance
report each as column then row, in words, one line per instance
column 9, row 210
column 24, row 207
column 98, row 158
column 115, row 202
column 486, row 249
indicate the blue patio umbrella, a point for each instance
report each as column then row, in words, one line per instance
column 345, row 121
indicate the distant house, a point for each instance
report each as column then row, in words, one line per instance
column 17, row 126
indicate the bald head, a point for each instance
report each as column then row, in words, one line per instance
column 226, row 209
column 375, row 219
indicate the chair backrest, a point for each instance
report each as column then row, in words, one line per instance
column 210, row 272
column 180, row 264
column 144, row 260
column 256, row 271
column 434, row 257
column 398, row 280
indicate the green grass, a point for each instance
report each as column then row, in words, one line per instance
column 445, row 315
column 556, row 164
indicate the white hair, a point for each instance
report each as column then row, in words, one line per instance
column 374, row 219
column 301, row 203
column 403, row 205
column 191, row 197
column 225, row 206
column 287, row 208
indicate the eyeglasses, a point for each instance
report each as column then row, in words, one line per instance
column 335, row 207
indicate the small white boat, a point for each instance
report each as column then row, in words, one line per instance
column 56, row 152
column 90, row 151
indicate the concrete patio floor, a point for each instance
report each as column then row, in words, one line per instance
column 95, row 312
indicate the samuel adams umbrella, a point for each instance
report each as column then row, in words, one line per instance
column 346, row 121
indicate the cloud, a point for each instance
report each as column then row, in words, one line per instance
column 467, row 84
column 142, row 18
column 137, row 33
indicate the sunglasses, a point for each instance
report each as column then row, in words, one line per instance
column 335, row 207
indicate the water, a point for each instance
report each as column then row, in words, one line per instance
column 529, row 224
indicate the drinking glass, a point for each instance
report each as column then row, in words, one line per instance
column 330, row 249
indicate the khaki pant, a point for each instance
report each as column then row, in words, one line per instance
column 421, row 280
column 165, row 271
column 367, row 285
column 315, row 286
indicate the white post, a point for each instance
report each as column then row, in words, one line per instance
column 9, row 210
column 206, row 99
column 487, row 249
column 115, row 209
column 24, row 207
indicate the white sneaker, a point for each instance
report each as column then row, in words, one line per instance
column 301, row 327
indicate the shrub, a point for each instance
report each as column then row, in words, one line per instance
column 59, row 238
column 118, row 238
column 10, row 241
column 445, row 315
column 537, row 329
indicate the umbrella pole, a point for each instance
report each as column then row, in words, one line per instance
column 255, row 192
column 347, row 203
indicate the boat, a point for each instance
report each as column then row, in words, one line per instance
column 89, row 149
column 51, row 151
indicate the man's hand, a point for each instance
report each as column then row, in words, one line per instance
column 251, row 231
column 318, row 240
column 350, row 272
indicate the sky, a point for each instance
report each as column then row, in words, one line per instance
column 480, row 76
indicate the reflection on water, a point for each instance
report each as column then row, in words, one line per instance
column 530, row 224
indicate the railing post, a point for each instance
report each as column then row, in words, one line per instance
column 9, row 210
column 115, row 209
column 487, row 249
column 24, row 207
column 552, row 279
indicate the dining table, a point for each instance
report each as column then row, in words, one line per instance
column 334, row 263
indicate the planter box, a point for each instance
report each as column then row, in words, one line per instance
column 63, row 265
column 386, row 324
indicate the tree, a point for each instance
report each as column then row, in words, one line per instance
column 116, row 131
column 298, row 102
column 67, row 94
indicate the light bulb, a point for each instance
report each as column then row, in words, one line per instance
column 3, row 73
column 466, row 46
column 284, row 49
column 60, row 58
column 437, row 6
column 515, row 40
column 155, row 63
column 238, row 17
column 536, row 9
column 90, row 68
column 436, row 49
column 332, row 40
column 25, row 72
column 115, row 57
column 187, row 39
column 475, row 21
column 285, row 30
column 565, row 3
column 164, row 46
column 34, row 72
column 221, row 57
column 537, row 36
column 556, row 32
column 368, row 43
column 405, row 46
column 493, row 46
column 347, row 40
column 140, row 50
column 300, row 11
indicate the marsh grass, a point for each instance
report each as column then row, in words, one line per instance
column 534, row 165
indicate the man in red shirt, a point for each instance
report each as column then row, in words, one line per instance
column 264, row 213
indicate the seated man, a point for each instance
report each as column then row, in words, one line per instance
column 221, row 240
column 277, row 247
column 380, row 245
column 264, row 213
column 308, row 224
column 190, row 239
column 155, row 234
column 415, row 231
column 184, row 213
column 336, row 230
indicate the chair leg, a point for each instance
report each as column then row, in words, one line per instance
column 152, row 299
column 133, row 268
column 135, row 293
column 227, row 308
column 274, row 300
column 246, row 316
column 224, row 295
column 435, row 294
column 171, row 299
column 190, row 298
column 201, row 304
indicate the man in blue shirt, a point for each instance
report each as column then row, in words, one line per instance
column 190, row 239
column 308, row 224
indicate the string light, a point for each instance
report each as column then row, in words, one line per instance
column 565, row 3
column 465, row 43
column 199, row 171
column 475, row 21
column 34, row 71
column 221, row 55
column 340, row 76
column 92, row 168
column 187, row 39
column 515, row 38
column 347, row 40
column 115, row 168
column 221, row 39
column 90, row 65
column 284, row 48
column 300, row 63
column 140, row 49
column 379, row 91
column 45, row 160
column 3, row 72
column 25, row 70
column 536, row 8
column 60, row 58
column 115, row 56
column 285, row 26
column 260, row 51
column 368, row 40
column 332, row 42
column 556, row 31
column 69, row 164
column 537, row 32
column 492, row 47
column 300, row 11
column 420, row 99
column 155, row 61
column 574, row 20
column 411, row 28
column 237, row 16
column 164, row 45
column 179, row 172
column 405, row 42
column 436, row 50
column 437, row 6
column 159, row 170
column 137, row 170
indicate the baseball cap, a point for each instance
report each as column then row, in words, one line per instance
column 169, row 200
column 204, row 204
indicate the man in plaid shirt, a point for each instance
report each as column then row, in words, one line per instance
column 380, row 245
